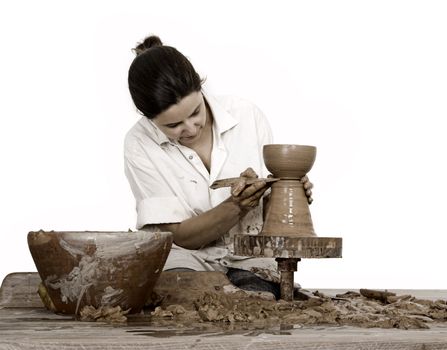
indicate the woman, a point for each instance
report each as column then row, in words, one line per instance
column 185, row 141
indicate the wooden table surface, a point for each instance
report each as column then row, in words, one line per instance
column 33, row 327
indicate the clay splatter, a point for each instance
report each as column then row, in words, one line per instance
column 351, row 308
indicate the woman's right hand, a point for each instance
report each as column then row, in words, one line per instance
column 247, row 196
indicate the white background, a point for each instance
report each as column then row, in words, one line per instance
column 364, row 81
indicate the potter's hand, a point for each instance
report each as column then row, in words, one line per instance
column 250, row 173
column 247, row 196
column 307, row 188
column 239, row 186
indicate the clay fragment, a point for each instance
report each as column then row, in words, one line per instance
column 159, row 312
column 395, row 298
column 46, row 300
column 103, row 314
column 377, row 294
column 348, row 294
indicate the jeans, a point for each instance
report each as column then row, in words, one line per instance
column 245, row 280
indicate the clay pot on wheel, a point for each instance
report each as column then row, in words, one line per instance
column 99, row 268
column 289, row 161
column 288, row 211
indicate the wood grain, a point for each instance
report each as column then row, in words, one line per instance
column 288, row 246
column 19, row 289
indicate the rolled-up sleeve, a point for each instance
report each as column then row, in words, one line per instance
column 156, row 201
column 159, row 210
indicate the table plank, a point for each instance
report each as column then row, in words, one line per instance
column 19, row 289
column 33, row 327
column 27, row 328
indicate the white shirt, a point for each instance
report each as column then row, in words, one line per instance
column 171, row 184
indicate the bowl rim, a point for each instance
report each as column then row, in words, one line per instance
column 282, row 145
column 97, row 231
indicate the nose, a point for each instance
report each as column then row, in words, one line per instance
column 190, row 128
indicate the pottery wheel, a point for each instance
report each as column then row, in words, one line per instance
column 287, row 250
column 288, row 246
column 287, row 232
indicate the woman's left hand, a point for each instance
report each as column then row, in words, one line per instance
column 307, row 188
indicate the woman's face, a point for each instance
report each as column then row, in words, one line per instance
column 184, row 121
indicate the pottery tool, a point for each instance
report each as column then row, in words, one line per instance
column 233, row 180
column 288, row 234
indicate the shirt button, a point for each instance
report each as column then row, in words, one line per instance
column 190, row 157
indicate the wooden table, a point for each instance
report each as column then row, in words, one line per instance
column 25, row 324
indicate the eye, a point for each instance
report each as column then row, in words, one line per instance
column 193, row 114
column 172, row 126
column 197, row 111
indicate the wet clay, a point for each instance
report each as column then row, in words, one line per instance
column 288, row 211
column 107, row 314
column 289, row 161
column 351, row 308
column 210, row 300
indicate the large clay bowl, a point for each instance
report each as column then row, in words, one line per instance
column 289, row 161
column 99, row 268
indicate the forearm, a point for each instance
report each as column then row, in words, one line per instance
column 195, row 232
column 205, row 228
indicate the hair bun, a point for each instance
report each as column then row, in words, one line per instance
column 147, row 43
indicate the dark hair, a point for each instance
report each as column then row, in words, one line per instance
column 159, row 77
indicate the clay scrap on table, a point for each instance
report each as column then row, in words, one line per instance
column 183, row 298
column 366, row 309
column 107, row 314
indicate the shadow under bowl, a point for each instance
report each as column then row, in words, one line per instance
column 289, row 161
column 99, row 268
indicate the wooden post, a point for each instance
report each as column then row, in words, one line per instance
column 287, row 267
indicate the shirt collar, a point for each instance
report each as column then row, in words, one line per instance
column 154, row 132
column 223, row 122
